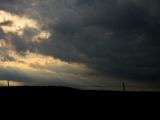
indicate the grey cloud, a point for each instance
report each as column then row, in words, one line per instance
column 115, row 37
column 2, row 34
column 41, row 77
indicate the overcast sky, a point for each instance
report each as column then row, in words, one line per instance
column 91, row 44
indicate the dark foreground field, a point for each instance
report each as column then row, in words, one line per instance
column 69, row 92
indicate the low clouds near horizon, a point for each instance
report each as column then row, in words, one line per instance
column 95, row 42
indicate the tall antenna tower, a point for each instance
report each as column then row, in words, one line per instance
column 124, row 87
column 8, row 83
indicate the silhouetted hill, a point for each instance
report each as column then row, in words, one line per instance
column 68, row 92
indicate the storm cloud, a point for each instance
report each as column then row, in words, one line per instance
column 115, row 38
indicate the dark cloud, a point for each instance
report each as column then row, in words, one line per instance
column 115, row 37
column 6, row 23
column 118, row 38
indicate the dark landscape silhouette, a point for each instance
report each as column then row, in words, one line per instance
column 57, row 91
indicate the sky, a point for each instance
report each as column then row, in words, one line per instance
column 87, row 44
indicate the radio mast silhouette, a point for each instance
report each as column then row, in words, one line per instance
column 8, row 82
column 124, row 87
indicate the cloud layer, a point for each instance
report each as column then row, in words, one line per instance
column 113, row 38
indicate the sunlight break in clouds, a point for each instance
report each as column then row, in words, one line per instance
column 17, row 24
column 32, row 67
column 37, row 69
column 31, row 60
